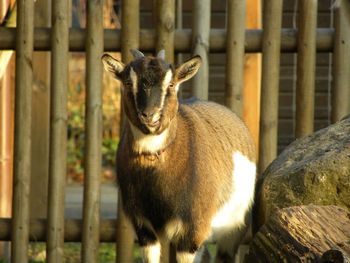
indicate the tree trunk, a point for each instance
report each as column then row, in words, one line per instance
column 301, row 234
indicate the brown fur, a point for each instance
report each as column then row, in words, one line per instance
column 190, row 178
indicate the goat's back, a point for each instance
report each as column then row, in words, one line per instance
column 218, row 128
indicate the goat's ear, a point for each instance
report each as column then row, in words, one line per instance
column 188, row 69
column 113, row 66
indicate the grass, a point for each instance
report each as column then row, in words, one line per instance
column 107, row 253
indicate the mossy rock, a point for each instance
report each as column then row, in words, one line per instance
column 312, row 170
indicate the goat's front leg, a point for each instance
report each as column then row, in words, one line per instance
column 151, row 253
column 190, row 248
column 150, row 246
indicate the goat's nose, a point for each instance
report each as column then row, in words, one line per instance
column 149, row 115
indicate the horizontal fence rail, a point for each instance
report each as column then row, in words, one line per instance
column 73, row 230
column 183, row 43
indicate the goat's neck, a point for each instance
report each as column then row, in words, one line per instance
column 152, row 143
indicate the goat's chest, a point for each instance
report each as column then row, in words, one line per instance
column 150, row 192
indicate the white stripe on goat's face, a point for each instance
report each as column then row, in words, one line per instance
column 133, row 78
column 151, row 79
column 165, row 86
column 149, row 94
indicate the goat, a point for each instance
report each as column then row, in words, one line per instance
column 186, row 171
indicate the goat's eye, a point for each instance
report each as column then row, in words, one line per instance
column 127, row 84
column 171, row 85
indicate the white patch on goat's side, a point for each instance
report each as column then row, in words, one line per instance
column 165, row 83
column 185, row 257
column 232, row 214
column 151, row 253
column 174, row 229
column 148, row 143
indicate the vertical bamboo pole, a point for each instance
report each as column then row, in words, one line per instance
column 341, row 65
column 305, row 90
column 165, row 27
column 130, row 40
column 200, row 42
column 272, row 21
column 93, row 127
column 179, row 25
column 40, row 118
column 58, row 131
column 236, row 15
column 22, row 143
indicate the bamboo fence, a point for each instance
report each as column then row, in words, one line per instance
column 235, row 41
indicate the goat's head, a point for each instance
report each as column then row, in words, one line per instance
column 150, row 88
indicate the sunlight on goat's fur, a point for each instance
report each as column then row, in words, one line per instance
column 201, row 185
column 234, row 211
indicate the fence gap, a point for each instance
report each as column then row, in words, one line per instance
column 200, row 42
column 22, row 139
column 58, row 132
column 252, row 76
column 93, row 128
column 340, row 105
column 236, row 20
column 272, row 22
column 130, row 30
column 306, row 66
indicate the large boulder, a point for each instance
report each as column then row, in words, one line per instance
column 312, row 170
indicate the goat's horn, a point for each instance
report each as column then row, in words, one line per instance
column 161, row 54
column 136, row 53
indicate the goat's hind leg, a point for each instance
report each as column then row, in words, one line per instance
column 227, row 245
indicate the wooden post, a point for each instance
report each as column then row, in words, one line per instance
column 22, row 141
column 270, row 82
column 58, row 131
column 130, row 30
column 165, row 27
column 236, row 18
column 305, row 91
column 40, row 118
column 252, row 76
column 341, row 65
column 179, row 26
column 93, row 128
column 200, row 42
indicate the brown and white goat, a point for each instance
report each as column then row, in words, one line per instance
column 186, row 171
